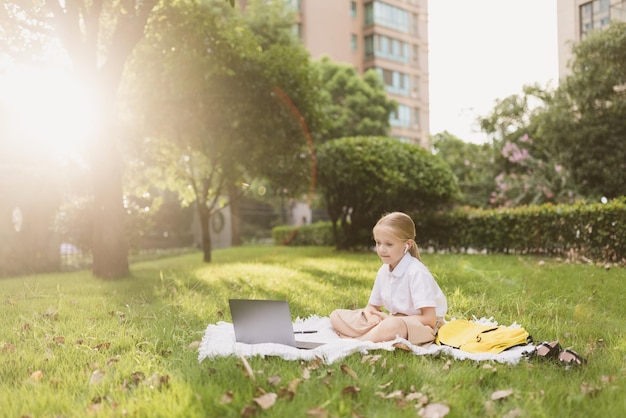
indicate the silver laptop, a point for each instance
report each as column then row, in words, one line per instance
column 265, row 321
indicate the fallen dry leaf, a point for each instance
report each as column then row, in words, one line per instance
column 96, row 377
column 249, row 411
column 513, row 413
column 227, row 397
column 350, row 391
column 286, row 394
column 316, row 363
column 274, row 380
column 402, row 346
column 102, row 346
column 355, row 414
column 293, row 385
column 267, row 400
column 8, row 348
column 194, row 345
column 589, row 389
column 306, row 373
column 347, row 370
column 317, row 412
column 95, row 407
column 156, row 381
column 36, row 375
column 434, row 410
column 607, row 379
column 372, row 359
column 51, row 313
column 55, row 382
column 386, row 385
column 501, row 394
column 417, row 396
column 137, row 377
column 396, row 394
column 247, row 368
column 447, row 365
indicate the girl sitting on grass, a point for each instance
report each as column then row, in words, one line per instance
column 413, row 300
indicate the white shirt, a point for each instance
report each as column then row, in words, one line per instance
column 407, row 289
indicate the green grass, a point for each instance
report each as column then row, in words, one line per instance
column 73, row 346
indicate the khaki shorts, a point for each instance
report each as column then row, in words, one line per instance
column 418, row 333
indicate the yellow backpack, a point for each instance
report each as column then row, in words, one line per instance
column 479, row 338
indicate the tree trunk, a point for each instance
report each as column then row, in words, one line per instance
column 235, row 220
column 79, row 30
column 203, row 214
column 110, row 248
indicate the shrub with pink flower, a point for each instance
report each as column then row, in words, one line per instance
column 531, row 180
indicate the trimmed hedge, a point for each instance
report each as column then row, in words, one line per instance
column 319, row 233
column 592, row 231
column 580, row 231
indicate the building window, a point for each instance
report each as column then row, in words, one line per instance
column 294, row 4
column 369, row 46
column 416, row 86
column 402, row 117
column 354, row 42
column 383, row 14
column 594, row 15
column 297, row 30
column 395, row 82
column 386, row 47
column 416, row 117
column 353, row 12
column 414, row 25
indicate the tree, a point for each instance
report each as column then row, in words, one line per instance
column 225, row 112
column 363, row 177
column 97, row 38
column 472, row 164
column 586, row 123
column 525, row 168
column 358, row 106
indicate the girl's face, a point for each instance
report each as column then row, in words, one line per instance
column 389, row 248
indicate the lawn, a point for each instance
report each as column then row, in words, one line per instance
column 74, row 346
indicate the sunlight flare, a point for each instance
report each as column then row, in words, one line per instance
column 48, row 112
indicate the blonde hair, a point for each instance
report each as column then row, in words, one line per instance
column 401, row 226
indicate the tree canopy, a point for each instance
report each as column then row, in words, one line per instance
column 587, row 123
column 356, row 105
column 364, row 177
column 235, row 90
column 472, row 164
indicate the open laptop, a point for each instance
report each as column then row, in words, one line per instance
column 265, row 321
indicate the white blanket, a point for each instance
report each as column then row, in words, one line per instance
column 219, row 341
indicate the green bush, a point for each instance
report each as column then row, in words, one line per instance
column 319, row 233
column 585, row 231
column 361, row 178
column 580, row 231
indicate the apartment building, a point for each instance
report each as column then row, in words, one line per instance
column 577, row 18
column 388, row 36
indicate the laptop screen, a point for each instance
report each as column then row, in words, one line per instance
column 262, row 321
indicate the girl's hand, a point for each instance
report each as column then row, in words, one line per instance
column 373, row 315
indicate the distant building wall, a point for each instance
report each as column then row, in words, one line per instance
column 577, row 18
